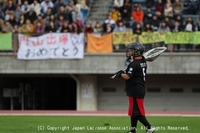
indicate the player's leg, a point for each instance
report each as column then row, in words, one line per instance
column 132, row 117
column 141, row 115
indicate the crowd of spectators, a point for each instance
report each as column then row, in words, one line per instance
column 42, row 16
column 37, row 16
column 162, row 16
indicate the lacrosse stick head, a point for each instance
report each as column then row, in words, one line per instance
column 152, row 54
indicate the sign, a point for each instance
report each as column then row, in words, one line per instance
column 123, row 37
column 51, row 46
column 6, row 41
column 177, row 38
column 86, row 91
column 152, row 37
column 102, row 44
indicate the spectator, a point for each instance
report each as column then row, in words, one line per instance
column 125, row 15
column 88, row 28
column 58, row 5
column 168, row 9
column 193, row 6
column 148, row 28
column 176, row 28
column 77, row 17
column 70, row 10
column 18, row 12
column 61, row 12
column 189, row 26
column 168, row 22
column 108, row 28
column 21, row 20
column 39, row 19
column 16, row 29
column 118, row 4
column 12, row 20
column 70, row 28
column 155, row 23
column 2, row 15
column 127, row 5
column 159, row 9
column 119, row 20
column 114, row 14
column 81, row 4
column 51, row 27
column 31, row 15
column 45, row 4
column 198, row 23
column 53, row 19
column 27, row 27
column 163, row 28
column 148, row 15
column 110, row 21
column 75, row 28
column 98, row 28
column 36, row 6
column 137, row 29
column 120, row 27
column 70, row 6
column 39, row 28
column 25, row 8
column 131, row 23
column 177, row 7
column 138, row 15
column 9, row 9
column 60, row 23
column 47, row 15
column 7, row 27
column 180, row 20
column 65, row 27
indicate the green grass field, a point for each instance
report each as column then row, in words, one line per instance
column 91, row 124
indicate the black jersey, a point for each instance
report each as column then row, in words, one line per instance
column 135, row 86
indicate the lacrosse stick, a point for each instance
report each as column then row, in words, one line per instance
column 150, row 56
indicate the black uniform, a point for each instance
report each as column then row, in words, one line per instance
column 135, row 86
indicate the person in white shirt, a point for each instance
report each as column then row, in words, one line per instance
column 25, row 8
column 45, row 4
column 36, row 6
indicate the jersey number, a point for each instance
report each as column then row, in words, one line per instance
column 143, row 69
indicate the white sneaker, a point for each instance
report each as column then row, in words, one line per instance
column 151, row 130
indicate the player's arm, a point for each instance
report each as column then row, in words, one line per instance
column 125, row 76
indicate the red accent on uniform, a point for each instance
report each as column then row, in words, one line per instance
column 130, row 110
column 140, row 103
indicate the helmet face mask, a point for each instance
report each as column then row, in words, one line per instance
column 135, row 50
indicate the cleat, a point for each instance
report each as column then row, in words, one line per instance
column 151, row 130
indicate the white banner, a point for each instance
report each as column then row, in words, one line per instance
column 51, row 46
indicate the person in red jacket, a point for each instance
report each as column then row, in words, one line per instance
column 138, row 15
column 159, row 9
column 88, row 28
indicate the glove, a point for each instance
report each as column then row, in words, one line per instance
column 118, row 73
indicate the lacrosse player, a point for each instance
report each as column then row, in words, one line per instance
column 135, row 86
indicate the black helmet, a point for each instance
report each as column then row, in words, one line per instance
column 137, row 47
